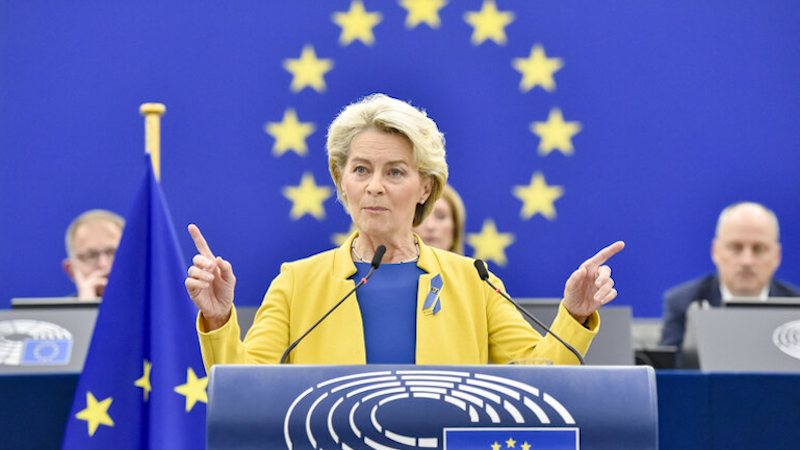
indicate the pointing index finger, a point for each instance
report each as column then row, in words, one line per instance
column 200, row 241
column 605, row 254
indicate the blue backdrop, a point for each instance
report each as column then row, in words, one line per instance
column 672, row 109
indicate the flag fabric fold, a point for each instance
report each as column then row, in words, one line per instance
column 143, row 384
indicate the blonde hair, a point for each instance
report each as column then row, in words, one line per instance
column 459, row 218
column 89, row 216
column 389, row 115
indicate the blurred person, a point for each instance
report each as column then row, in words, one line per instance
column 91, row 241
column 746, row 251
column 444, row 226
column 423, row 306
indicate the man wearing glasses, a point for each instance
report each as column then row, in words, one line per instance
column 91, row 241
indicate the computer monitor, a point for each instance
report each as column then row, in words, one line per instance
column 771, row 302
column 753, row 339
column 53, row 302
column 612, row 346
column 45, row 340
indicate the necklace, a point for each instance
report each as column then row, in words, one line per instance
column 360, row 259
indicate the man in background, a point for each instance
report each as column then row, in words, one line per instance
column 746, row 251
column 92, row 240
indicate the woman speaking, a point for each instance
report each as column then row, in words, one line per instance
column 422, row 306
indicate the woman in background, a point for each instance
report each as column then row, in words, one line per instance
column 444, row 227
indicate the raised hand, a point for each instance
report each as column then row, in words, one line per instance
column 591, row 285
column 210, row 283
column 92, row 284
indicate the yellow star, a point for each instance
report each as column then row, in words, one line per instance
column 423, row 11
column 555, row 133
column 489, row 23
column 510, row 443
column 495, row 446
column 96, row 413
column 194, row 390
column 526, row 446
column 538, row 197
column 307, row 198
column 489, row 244
column 289, row 134
column 537, row 70
column 308, row 70
column 144, row 381
column 339, row 238
column 356, row 23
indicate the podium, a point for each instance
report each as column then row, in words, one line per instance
column 405, row 407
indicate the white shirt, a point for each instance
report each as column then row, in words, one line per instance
column 726, row 294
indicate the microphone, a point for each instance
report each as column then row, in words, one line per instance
column 484, row 274
column 374, row 264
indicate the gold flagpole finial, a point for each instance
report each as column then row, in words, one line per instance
column 152, row 133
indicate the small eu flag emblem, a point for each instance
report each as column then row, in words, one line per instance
column 517, row 438
column 46, row 352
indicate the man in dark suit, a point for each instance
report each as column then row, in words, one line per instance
column 746, row 251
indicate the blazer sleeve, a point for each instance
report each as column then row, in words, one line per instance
column 512, row 337
column 266, row 340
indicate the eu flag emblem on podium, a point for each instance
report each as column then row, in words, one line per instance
column 504, row 438
column 143, row 383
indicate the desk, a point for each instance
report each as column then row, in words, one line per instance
column 34, row 410
column 696, row 410
column 718, row 411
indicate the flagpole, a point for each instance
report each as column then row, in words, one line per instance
column 152, row 133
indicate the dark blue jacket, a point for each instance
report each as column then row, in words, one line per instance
column 678, row 299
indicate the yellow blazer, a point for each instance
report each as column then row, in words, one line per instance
column 474, row 326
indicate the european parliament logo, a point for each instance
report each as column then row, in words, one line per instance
column 457, row 410
column 787, row 338
column 34, row 343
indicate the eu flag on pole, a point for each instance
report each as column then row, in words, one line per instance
column 142, row 385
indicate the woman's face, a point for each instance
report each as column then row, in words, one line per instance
column 382, row 186
column 437, row 229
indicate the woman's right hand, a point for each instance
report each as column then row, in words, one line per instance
column 210, row 283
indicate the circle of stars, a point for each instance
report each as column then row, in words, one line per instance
column 537, row 70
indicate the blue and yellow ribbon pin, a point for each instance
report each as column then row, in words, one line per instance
column 433, row 303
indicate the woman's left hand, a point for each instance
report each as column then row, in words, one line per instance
column 591, row 286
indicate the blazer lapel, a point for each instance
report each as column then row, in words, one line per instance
column 352, row 335
column 429, row 324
